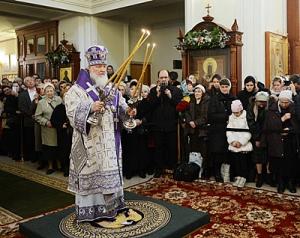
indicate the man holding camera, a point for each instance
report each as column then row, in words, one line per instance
column 163, row 100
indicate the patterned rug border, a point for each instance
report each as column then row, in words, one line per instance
column 31, row 175
column 212, row 182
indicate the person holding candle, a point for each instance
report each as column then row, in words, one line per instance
column 95, row 174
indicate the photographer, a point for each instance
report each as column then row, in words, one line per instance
column 163, row 100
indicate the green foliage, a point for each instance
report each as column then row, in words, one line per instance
column 57, row 57
column 204, row 39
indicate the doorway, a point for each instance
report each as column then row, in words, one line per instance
column 136, row 70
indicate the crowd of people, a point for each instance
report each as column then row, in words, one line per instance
column 253, row 136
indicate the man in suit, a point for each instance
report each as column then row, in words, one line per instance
column 26, row 107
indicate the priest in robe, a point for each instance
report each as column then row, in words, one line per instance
column 94, row 108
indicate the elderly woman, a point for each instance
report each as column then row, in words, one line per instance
column 43, row 114
column 196, row 121
column 280, row 136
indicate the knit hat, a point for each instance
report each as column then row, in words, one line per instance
column 286, row 94
column 225, row 81
column 262, row 96
column 122, row 84
column 236, row 106
column 200, row 87
column 145, row 88
column 49, row 85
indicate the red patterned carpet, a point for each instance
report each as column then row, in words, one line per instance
column 244, row 213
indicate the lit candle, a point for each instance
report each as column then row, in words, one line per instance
column 146, row 62
column 126, row 63
column 138, row 44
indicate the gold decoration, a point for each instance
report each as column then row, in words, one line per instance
column 155, row 217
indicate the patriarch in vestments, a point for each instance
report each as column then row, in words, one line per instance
column 94, row 108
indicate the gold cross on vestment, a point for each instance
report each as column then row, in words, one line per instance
column 208, row 7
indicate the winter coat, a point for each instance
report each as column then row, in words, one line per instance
column 218, row 112
column 244, row 96
column 272, row 131
column 43, row 114
column 164, row 115
column 255, row 120
column 198, row 115
column 297, row 107
column 241, row 136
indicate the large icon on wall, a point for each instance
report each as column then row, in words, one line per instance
column 276, row 56
column 65, row 74
column 205, row 63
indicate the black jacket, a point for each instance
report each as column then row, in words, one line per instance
column 163, row 109
column 219, row 111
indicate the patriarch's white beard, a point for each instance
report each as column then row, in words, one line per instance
column 100, row 80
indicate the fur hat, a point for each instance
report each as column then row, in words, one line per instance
column 145, row 88
column 286, row 94
column 262, row 96
column 49, row 85
column 236, row 106
column 200, row 87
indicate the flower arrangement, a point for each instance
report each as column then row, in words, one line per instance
column 204, row 39
column 183, row 105
column 57, row 57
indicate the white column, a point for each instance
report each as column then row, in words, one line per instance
column 126, row 40
column 87, row 36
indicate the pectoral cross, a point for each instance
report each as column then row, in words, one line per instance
column 208, row 7
column 91, row 88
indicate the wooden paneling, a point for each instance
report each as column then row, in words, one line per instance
column 29, row 55
column 293, row 27
column 136, row 70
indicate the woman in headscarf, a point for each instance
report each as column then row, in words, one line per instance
column 196, row 121
column 248, row 92
column 219, row 111
column 280, row 137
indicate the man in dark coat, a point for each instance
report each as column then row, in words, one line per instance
column 26, row 107
column 163, row 100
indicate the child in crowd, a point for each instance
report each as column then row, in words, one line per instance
column 238, row 137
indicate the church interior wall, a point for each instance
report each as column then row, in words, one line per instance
column 254, row 18
column 165, row 37
column 114, row 36
column 8, row 53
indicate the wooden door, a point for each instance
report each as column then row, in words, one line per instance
column 136, row 71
